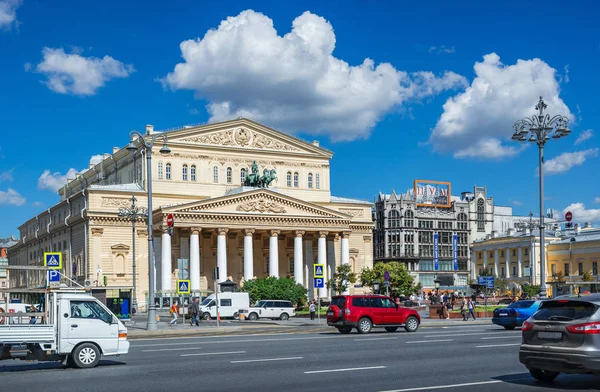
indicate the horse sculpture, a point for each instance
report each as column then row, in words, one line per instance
column 254, row 179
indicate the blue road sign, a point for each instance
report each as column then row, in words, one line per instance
column 183, row 287
column 436, row 264
column 319, row 270
column 487, row 281
column 386, row 276
column 53, row 276
column 319, row 283
column 53, row 260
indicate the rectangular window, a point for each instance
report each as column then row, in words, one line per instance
column 580, row 269
column 291, row 266
column 226, row 302
column 514, row 271
column 553, row 269
column 526, row 252
column 426, row 265
column 480, row 271
column 502, row 271
column 480, row 256
column 317, row 181
column 426, row 280
column 514, row 252
column 567, row 270
column 595, row 268
column 501, row 253
column 168, row 171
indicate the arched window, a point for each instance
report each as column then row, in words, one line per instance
column 193, row 173
column 243, row 175
column 289, row 179
column 160, row 170
column 215, row 174
column 318, row 181
column 229, row 175
column 184, row 172
column 462, row 221
column 409, row 217
column 296, row 180
column 310, row 180
column 480, row 215
column 394, row 219
column 168, row 171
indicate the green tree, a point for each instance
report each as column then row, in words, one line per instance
column 559, row 276
column 587, row 276
column 500, row 285
column 342, row 278
column 283, row 288
column 530, row 289
column 400, row 279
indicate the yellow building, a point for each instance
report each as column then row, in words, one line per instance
column 516, row 256
column 282, row 230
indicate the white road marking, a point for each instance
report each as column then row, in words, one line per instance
column 267, row 359
column 502, row 337
column 215, row 336
column 470, row 334
column 370, row 339
column 467, row 384
column 172, row 349
column 499, row 345
column 204, row 354
column 430, row 341
column 238, row 341
column 344, row 370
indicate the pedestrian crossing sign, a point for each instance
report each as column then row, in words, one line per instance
column 53, row 260
column 183, row 287
column 319, row 270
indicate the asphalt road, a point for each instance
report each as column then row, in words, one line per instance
column 460, row 358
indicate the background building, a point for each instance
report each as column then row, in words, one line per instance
column 407, row 224
column 247, row 232
column 5, row 243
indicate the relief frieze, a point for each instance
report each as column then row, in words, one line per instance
column 115, row 202
column 262, row 206
column 241, row 137
column 356, row 213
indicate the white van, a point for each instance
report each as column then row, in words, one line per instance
column 230, row 305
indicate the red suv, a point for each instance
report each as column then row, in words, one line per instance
column 364, row 312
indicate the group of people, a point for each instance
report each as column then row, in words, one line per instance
column 450, row 300
column 194, row 310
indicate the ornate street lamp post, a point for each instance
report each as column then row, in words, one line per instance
column 147, row 143
column 539, row 127
column 134, row 213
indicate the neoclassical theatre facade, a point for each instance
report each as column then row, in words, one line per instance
column 247, row 231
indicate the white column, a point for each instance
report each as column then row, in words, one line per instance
column 322, row 259
column 308, row 255
column 496, row 263
column 532, row 264
column 166, row 261
column 222, row 254
column 274, row 253
column 346, row 252
column 485, row 267
column 331, row 259
column 507, row 263
column 520, row 262
column 298, row 261
column 248, row 255
column 195, row 260
column 473, row 264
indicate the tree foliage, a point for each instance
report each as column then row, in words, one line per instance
column 587, row 276
column 283, row 288
column 530, row 290
column 559, row 276
column 342, row 278
column 400, row 280
column 500, row 285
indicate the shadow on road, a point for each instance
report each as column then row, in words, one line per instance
column 50, row 366
column 564, row 382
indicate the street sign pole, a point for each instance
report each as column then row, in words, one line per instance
column 216, row 273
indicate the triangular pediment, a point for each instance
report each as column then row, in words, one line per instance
column 121, row 247
column 244, row 134
column 258, row 202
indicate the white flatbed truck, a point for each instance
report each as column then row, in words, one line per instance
column 76, row 329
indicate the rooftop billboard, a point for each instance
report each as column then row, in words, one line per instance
column 432, row 194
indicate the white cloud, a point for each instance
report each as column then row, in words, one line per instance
column 568, row 160
column 96, row 159
column 516, row 203
column 11, row 197
column 566, row 74
column 8, row 12
column 75, row 74
column 7, row 175
column 293, row 82
column 441, row 49
column 498, row 96
column 597, row 200
column 37, row 204
column 585, row 135
column 54, row 181
column 581, row 215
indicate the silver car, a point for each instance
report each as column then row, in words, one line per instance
column 563, row 336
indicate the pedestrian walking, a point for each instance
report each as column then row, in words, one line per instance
column 173, row 313
column 32, row 319
column 312, row 308
column 471, row 308
column 464, row 309
column 195, row 310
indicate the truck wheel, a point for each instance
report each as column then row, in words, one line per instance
column 284, row 316
column 86, row 355
column 412, row 324
column 364, row 325
column 236, row 316
column 543, row 375
column 253, row 316
column 205, row 316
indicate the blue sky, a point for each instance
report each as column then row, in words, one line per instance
column 436, row 99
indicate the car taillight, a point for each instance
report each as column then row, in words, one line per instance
column 587, row 328
column 527, row 326
column 347, row 311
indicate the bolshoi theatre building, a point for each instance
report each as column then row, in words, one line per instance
column 244, row 197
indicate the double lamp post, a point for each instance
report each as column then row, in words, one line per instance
column 539, row 127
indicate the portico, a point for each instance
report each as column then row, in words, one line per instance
column 248, row 234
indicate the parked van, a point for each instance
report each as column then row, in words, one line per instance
column 230, row 305
column 272, row 309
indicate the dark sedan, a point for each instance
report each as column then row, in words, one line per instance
column 515, row 314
